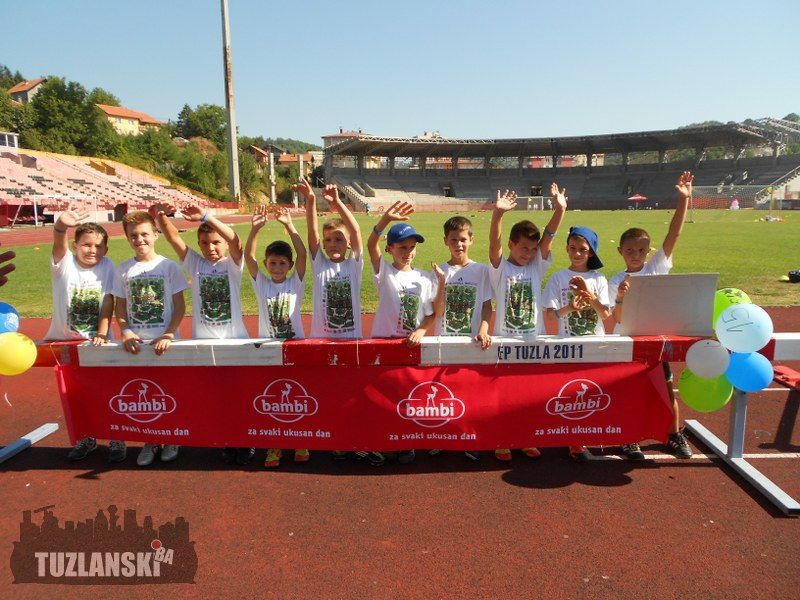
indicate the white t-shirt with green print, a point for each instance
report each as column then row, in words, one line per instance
column 466, row 289
column 77, row 297
column 405, row 298
column 148, row 287
column 337, row 296
column 279, row 307
column 518, row 296
column 216, row 297
column 558, row 293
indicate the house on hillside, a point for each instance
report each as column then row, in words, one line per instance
column 24, row 91
column 287, row 159
column 129, row 122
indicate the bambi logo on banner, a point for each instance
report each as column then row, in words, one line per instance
column 285, row 400
column 431, row 404
column 578, row 399
column 143, row 401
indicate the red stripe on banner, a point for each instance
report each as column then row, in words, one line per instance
column 349, row 353
column 51, row 354
column 388, row 352
column 662, row 348
column 769, row 350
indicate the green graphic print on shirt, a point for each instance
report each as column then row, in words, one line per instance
column 581, row 323
column 84, row 310
column 409, row 306
column 459, row 304
column 279, row 318
column 147, row 301
column 339, row 305
column 215, row 299
column 520, row 314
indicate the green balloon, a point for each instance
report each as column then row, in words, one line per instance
column 727, row 297
column 704, row 395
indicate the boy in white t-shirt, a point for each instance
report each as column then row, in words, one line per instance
column 83, row 301
column 150, row 305
column 405, row 294
column 634, row 246
column 576, row 298
column 279, row 295
column 215, row 277
column 517, row 280
column 337, row 276
column 465, row 306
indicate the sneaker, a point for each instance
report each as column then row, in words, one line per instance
column 376, row 459
column 503, row 454
column 301, row 456
column 580, row 454
column 117, row 451
column 243, row 455
column 339, row 455
column 406, row 457
column 273, row 459
column 531, row 452
column 169, row 452
column 434, row 452
column 147, row 454
column 472, row 454
column 82, row 449
column 678, row 445
column 633, row 451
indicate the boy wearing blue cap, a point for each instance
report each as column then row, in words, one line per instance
column 405, row 294
column 576, row 298
column 634, row 246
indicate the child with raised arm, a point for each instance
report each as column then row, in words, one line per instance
column 576, row 298
column 337, row 276
column 150, row 305
column 405, row 294
column 216, row 281
column 464, row 306
column 83, row 299
column 279, row 294
column 517, row 280
column 634, row 246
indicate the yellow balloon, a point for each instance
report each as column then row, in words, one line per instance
column 17, row 353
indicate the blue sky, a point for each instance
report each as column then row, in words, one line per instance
column 469, row 69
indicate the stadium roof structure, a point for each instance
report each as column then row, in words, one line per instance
column 733, row 135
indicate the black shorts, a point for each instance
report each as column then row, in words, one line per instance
column 667, row 371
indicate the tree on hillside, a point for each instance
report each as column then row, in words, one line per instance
column 207, row 120
column 794, row 117
column 9, row 79
column 101, row 96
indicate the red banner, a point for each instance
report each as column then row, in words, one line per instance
column 369, row 407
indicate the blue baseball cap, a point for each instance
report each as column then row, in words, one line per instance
column 402, row 231
column 591, row 239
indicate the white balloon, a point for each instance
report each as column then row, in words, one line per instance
column 744, row 328
column 708, row 359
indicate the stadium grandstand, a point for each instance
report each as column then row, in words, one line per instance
column 613, row 171
column 35, row 186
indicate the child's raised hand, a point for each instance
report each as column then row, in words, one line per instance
column 559, row 197
column 578, row 283
column 437, row 270
column 193, row 213
column 684, row 185
column 399, row 211
column 72, row 217
column 506, row 202
column 259, row 217
column 283, row 217
column 304, row 188
column 331, row 195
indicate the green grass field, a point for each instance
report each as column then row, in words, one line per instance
column 747, row 253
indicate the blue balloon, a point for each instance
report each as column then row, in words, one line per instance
column 744, row 328
column 749, row 372
column 9, row 318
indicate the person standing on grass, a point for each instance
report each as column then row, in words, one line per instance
column 83, row 299
column 634, row 246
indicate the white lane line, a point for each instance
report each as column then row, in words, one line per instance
column 697, row 456
column 776, row 389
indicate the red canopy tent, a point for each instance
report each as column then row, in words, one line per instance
column 636, row 198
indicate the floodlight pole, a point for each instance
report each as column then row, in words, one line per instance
column 233, row 147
